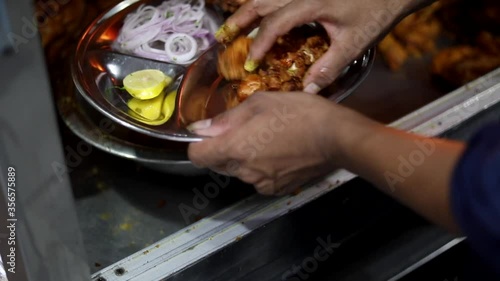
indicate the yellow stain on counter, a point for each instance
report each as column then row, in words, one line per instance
column 105, row 216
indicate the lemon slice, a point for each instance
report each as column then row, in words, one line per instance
column 167, row 109
column 146, row 84
column 149, row 109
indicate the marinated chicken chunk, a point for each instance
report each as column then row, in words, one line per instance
column 282, row 69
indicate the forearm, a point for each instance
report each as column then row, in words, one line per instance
column 414, row 170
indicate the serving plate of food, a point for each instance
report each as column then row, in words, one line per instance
column 409, row 75
column 155, row 66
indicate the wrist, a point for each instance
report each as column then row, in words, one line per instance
column 347, row 132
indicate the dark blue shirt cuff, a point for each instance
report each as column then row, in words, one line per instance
column 475, row 195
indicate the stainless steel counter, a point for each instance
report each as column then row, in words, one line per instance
column 125, row 208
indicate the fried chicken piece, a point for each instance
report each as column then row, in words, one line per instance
column 419, row 28
column 283, row 67
column 413, row 37
column 489, row 43
column 56, row 20
column 421, row 39
column 461, row 64
column 393, row 52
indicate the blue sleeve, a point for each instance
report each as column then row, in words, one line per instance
column 475, row 195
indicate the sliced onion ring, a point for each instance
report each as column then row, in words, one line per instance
column 191, row 47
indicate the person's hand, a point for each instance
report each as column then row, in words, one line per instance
column 353, row 26
column 274, row 141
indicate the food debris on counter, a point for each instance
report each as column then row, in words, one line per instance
column 101, row 186
column 105, row 216
column 126, row 226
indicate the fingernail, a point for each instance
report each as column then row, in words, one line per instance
column 199, row 125
column 312, row 88
column 253, row 33
column 226, row 33
column 251, row 65
column 221, row 32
